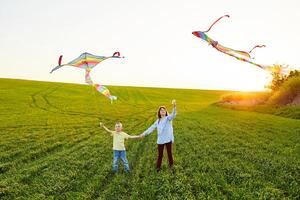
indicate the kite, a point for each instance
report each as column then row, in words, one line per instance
column 88, row 61
column 240, row 55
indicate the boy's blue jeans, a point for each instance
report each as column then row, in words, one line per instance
column 122, row 155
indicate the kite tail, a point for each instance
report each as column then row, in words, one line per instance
column 100, row 88
column 246, row 60
column 272, row 69
column 113, row 98
column 103, row 90
column 216, row 22
column 257, row 46
column 88, row 78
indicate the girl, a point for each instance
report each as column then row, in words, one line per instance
column 165, row 135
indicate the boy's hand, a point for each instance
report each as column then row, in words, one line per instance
column 174, row 102
column 141, row 136
column 101, row 124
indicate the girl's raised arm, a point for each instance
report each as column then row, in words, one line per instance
column 173, row 114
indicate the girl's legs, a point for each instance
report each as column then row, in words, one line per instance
column 160, row 148
column 115, row 162
column 169, row 151
column 124, row 160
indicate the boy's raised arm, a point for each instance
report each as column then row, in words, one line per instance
column 102, row 125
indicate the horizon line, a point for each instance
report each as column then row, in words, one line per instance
column 139, row 86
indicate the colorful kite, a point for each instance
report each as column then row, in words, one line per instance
column 88, row 61
column 240, row 55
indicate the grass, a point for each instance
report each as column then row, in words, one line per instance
column 52, row 148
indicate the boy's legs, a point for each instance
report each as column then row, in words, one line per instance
column 124, row 160
column 115, row 161
column 169, row 151
column 160, row 148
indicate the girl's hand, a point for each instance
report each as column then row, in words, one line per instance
column 101, row 124
column 174, row 102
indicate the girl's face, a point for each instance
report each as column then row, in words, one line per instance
column 162, row 112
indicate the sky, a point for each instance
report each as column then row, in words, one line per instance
column 155, row 38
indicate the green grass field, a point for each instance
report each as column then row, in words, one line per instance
column 51, row 146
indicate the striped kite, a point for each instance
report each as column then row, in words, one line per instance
column 240, row 55
column 88, row 61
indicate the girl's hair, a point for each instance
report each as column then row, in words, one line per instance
column 158, row 112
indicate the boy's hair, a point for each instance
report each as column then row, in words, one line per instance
column 119, row 123
column 158, row 112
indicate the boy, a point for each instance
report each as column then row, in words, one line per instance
column 118, row 145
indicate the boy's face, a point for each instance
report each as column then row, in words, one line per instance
column 118, row 127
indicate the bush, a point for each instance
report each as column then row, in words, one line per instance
column 246, row 96
column 287, row 92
